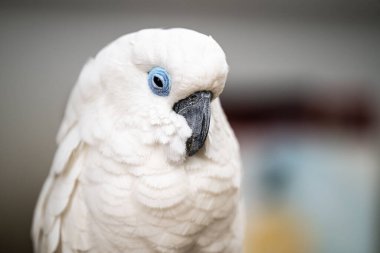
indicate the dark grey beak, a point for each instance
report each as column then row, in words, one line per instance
column 196, row 110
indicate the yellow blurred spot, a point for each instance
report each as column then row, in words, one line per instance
column 275, row 232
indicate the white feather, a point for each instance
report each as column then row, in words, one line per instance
column 120, row 180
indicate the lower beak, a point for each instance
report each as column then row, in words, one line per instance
column 196, row 110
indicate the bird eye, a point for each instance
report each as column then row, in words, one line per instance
column 159, row 81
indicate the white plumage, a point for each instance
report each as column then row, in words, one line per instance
column 121, row 180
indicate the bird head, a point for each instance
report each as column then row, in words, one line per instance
column 160, row 84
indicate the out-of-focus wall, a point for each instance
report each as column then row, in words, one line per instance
column 43, row 45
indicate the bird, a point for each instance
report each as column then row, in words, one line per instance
column 146, row 159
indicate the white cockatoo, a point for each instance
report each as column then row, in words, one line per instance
column 146, row 161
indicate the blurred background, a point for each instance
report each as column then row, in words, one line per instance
column 302, row 96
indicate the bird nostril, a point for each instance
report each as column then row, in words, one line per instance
column 193, row 97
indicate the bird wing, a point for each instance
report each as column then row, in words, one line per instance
column 60, row 194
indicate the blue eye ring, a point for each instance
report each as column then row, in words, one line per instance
column 159, row 81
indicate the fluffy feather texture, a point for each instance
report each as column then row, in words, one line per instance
column 120, row 180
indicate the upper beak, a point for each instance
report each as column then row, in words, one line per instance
column 196, row 110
